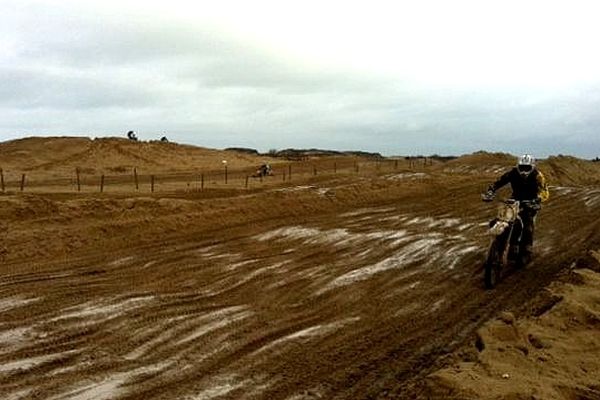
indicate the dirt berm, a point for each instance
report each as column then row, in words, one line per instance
column 551, row 354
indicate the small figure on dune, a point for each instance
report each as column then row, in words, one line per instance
column 132, row 136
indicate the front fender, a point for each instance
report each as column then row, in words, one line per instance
column 498, row 227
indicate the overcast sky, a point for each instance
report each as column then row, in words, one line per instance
column 397, row 77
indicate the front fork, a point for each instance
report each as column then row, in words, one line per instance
column 502, row 244
column 506, row 239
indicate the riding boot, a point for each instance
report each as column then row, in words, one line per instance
column 513, row 252
column 524, row 258
column 526, row 245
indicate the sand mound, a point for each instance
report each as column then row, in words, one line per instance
column 60, row 156
column 480, row 162
column 484, row 158
column 566, row 170
column 559, row 170
column 550, row 356
column 32, row 152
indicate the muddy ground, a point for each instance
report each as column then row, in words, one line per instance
column 344, row 286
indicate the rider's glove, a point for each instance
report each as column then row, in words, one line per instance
column 536, row 204
column 489, row 195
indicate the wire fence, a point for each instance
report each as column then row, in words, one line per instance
column 225, row 177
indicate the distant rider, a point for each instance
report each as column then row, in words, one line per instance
column 528, row 184
column 264, row 169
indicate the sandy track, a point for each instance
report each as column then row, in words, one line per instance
column 359, row 303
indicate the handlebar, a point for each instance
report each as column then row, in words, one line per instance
column 529, row 202
column 487, row 197
column 533, row 203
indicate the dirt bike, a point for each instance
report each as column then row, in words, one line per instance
column 506, row 231
column 263, row 171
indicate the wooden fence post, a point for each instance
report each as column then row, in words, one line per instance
column 314, row 170
column 290, row 172
column 246, row 181
column 22, row 182
column 135, row 178
column 77, row 174
column 102, row 183
column 283, row 175
column 2, row 180
column 226, row 174
column 335, row 168
column 152, row 183
column 356, row 166
column 202, row 182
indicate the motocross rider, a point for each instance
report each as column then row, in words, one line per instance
column 528, row 184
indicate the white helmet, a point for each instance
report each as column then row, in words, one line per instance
column 526, row 164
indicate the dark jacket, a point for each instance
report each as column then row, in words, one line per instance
column 530, row 187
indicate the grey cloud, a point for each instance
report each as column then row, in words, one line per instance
column 34, row 88
column 196, row 55
column 84, row 38
column 98, row 43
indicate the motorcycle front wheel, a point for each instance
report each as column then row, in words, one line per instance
column 493, row 265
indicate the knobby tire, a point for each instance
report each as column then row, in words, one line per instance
column 492, row 265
